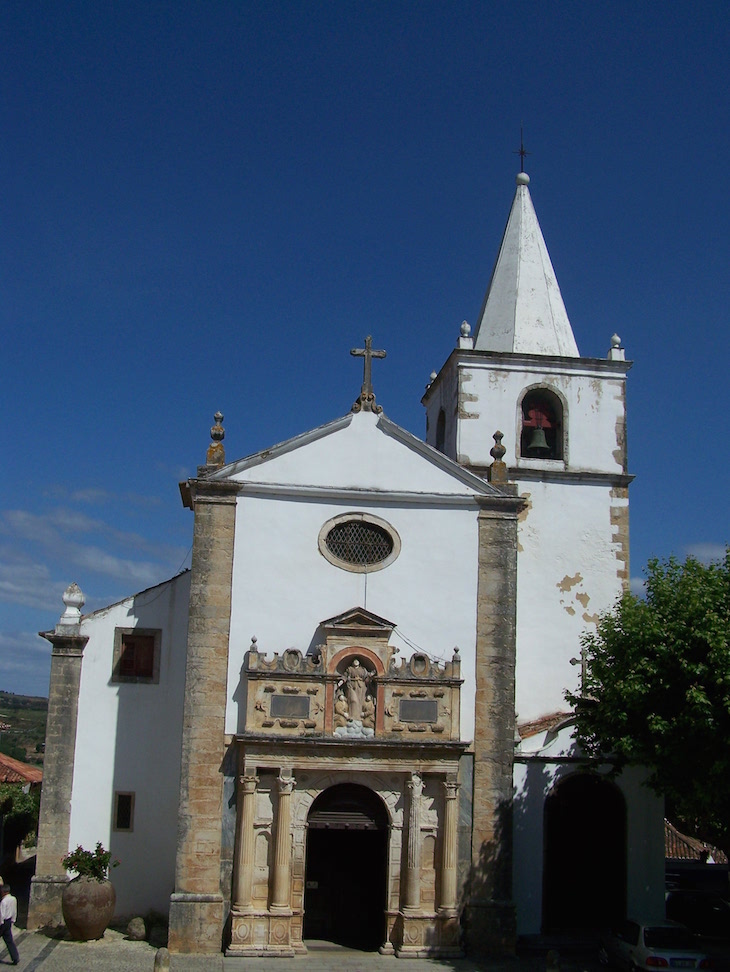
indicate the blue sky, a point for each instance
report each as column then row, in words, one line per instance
column 206, row 205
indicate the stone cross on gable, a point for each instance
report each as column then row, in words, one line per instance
column 366, row 401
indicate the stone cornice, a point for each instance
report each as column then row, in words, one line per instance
column 586, row 476
column 497, row 499
column 207, row 491
column 536, row 363
column 282, row 749
column 66, row 644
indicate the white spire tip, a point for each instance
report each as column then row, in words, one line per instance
column 522, row 179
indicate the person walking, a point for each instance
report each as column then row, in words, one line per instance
column 8, row 917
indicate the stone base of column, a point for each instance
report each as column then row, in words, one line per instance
column 44, row 908
column 196, row 923
column 427, row 935
column 264, row 933
column 491, row 928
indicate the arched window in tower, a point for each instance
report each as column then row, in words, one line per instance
column 542, row 425
column 441, row 431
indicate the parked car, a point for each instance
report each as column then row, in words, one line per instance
column 662, row 945
column 703, row 912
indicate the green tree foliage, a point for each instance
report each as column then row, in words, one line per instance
column 19, row 812
column 656, row 690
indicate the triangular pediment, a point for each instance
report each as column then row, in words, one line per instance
column 358, row 453
column 358, row 619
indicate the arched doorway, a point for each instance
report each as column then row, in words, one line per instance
column 345, row 878
column 584, row 873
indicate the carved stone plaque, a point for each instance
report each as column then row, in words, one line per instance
column 289, row 706
column 419, row 710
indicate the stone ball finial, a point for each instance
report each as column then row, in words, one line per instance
column 217, row 432
column 465, row 329
column 615, row 341
column 498, row 450
column 74, row 600
column 522, row 179
column 433, row 376
column 216, row 455
column 497, row 472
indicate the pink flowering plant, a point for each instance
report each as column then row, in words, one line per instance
column 94, row 864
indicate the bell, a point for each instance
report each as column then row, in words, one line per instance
column 537, row 446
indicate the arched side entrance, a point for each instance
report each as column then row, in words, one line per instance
column 584, row 872
column 346, row 867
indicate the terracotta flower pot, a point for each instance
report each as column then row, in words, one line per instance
column 88, row 907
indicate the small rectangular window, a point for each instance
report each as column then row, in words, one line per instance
column 136, row 655
column 124, row 811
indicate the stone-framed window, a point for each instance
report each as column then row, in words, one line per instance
column 541, row 426
column 359, row 542
column 123, row 811
column 136, row 655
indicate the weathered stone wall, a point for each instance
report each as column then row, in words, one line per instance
column 58, row 768
column 197, row 906
column 490, row 913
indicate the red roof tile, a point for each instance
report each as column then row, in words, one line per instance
column 679, row 847
column 13, row 771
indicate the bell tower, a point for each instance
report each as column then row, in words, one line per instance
column 562, row 419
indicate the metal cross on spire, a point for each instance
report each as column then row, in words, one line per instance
column 366, row 400
column 522, row 152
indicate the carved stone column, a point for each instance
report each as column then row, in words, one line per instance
column 281, row 892
column 449, row 848
column 58, row 768
column 412, row 896
column 491, row 919
column 197, row 906
column 245, row 845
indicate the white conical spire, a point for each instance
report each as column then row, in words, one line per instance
column 523, row 311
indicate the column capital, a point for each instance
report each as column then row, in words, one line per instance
column 286, row 784
column 451, row 789
column 248, row 783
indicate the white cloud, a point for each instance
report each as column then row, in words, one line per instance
column 638, row 586
column 98, row 496
column 25, row 663
column 706, row 552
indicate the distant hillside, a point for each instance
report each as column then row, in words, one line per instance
column 23, row 726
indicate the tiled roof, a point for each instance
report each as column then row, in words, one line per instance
column 543, row 724
column 13, row 771
column 679, row 847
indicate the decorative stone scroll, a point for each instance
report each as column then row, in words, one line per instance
column 353, row 687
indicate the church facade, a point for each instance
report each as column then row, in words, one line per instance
column 347, row 720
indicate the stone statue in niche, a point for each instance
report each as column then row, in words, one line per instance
column 357, row 679
column 354, row 708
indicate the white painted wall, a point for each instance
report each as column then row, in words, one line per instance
column 568, row 569
column 129, row 739
column 492, row 388
column 533, row 781
column 283, row 587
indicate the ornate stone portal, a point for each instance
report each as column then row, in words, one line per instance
column 348, row 713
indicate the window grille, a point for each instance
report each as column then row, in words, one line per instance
column 359, row 542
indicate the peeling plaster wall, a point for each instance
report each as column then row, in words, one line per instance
column 570, row 567
column 594, row 413
column 116, row 722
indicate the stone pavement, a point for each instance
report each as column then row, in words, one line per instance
column 115, row 953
